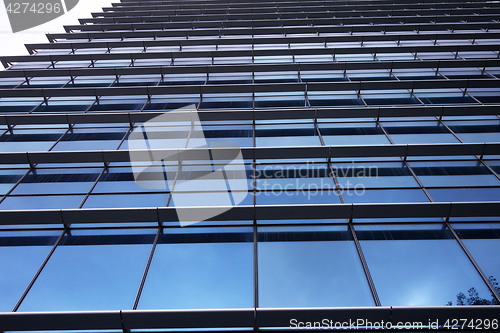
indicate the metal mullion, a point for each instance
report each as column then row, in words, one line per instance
column 464, row 90
column 329, row 163
column 146, row 270
column 130, row 129
column 31, row 168
column 36, row 107
column 25, row 293
column 60, row 138
column 449, row 129
column 364, row 264
column 438, row 72
column 412, row 93
column 391, row 74
column 405, row 162
column 358, row 92
column 179, row 167
column 337, row 185
column 488, row 167
column 306, row 98
column 255, row 229
column 497, row 76
column 117, row 78
column 144, row 105
column 479, row 158
column 71, row 79
column 422, row 187
column 93, row 185
column 346, row 76
column 377, row 121
column 96, row 102
column 255, row 233
column 473, row 261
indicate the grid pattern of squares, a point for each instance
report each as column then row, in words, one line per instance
column 362, row 105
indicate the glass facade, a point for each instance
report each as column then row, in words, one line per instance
column 369, row 134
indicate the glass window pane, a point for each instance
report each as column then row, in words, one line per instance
column 9, row 177
column 126, row 200
column 91, row 139
column 21, row 255
column 373, row 175
column 465, row 194
column 454, row 173
column 42, row 202
column 121, row 180
column 418, row 265
column 336, row 134
column 58, row 181
column 280, row 135
column 91, row 272
column 201, row 268
column 301, row 267
column 360, row 195
column 418, row 132
column 483, row 242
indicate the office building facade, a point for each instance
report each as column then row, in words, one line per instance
column 369, row 134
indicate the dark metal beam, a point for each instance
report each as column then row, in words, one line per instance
column 282, row 40
column 250, row 88
column 107, row 156
column 264, row 114
column 236, row 318
column 324, row 66
column 247, row 213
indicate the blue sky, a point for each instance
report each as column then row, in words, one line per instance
column 13, row 44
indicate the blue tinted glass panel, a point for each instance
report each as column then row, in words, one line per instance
column 286, row 135
column 479, row 137
column 126, row 200
column 198, row 275
column 417, row 265
column 300, row 272
column 373, row 175
column 352, row 134
column 299, row 197
column 294, row 176
column 42, row 202
column 23, row 140
column 20, row 258
column 359, row 195
column 223, row 198
column 55, row 181
column 121, row 180
column 9, row 178
column 454, row 173
column 419, row 132
column 483, row 242
column 465, row 194
column 81, row 275
column 334, row 98
column 91, row 139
